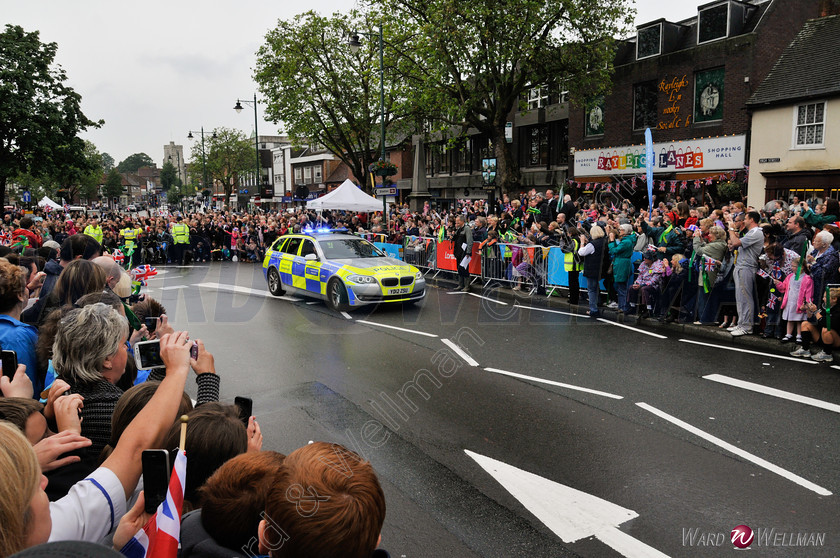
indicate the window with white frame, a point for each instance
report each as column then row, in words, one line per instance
column 713, row 23
column 318, row 174
column 649, row 41
column 307, row 175
column 810, row 125
column 298, row 176
column 537, row 97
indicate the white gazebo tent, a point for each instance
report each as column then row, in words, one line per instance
column 347, row 197
column 47, row 202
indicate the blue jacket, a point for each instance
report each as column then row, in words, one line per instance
column 21, row 338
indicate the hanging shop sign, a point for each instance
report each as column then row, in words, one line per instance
column 695, row 155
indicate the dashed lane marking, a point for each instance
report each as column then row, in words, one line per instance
column 553, row 383
column 773, row 392
column 397, row 328
column 460, row 352
column 517, row 305
column 737, row 451
column 749, row 352
column 488, row 298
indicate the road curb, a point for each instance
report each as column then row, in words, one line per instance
column 560, row 303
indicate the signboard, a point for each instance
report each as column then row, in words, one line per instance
column 695, row 155
column 509, row 132
column 488, row 170
column 386, row 191
column 26, row 197
column 761, row 161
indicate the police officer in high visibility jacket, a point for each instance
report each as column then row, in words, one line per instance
column 180, row 239
column 573, row 263
column 94, row 230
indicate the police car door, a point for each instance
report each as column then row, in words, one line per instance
column 287, row 262
column 312, row 268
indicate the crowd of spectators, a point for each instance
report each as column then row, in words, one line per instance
column 77, row 412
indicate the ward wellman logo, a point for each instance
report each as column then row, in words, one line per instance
column 742, row 536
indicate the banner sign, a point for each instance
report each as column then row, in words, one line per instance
column 695, row 155
column 446, row 256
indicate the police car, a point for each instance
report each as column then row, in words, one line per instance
column 344, row 270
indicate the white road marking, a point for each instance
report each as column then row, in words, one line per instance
column 774, row 392
column 571, row 514
column 246, row 290
column 794, row 359
column 517, row 305
column 346, row 315
column 637, row 330
column 488, row 298
column 456, row 292
column 313, row 302
column 835, row 367
column 395, row 327
column 173, row 287
column 553, row 383
column 460, row 352
column 737, row 451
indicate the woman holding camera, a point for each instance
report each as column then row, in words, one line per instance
column 621, row 242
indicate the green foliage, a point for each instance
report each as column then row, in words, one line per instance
column 324, row 93
column 90, row 180
column 229, row 154
column 133, row 162
column 730, row 191
column 467, row 64
column 168, row 176
column 41, row 116
column 107, row 162
column 113, row 185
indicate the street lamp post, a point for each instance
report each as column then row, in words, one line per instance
column 354, row 44
column 238, row 109
column 203, row 154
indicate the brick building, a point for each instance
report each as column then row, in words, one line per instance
column 689, row 82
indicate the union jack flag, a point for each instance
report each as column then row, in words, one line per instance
column 709, row 263
column 708, row 181
column 5, row 238
column 762, row 273
column 697, row 183
column 633, row 182
column 777, row 270
column 142, row 273
column 673, row 187
column 771, row 301
column 159, row 537
column 662, row 186
column 118, row 256
column 613, row 208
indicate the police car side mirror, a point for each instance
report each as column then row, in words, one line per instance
column 311, row 257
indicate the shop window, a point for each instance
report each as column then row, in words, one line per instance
column 644, row 105
column 708, row 95
column 809, row 127
column 649, row 41
column 713, row 23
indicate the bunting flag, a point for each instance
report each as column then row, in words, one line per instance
column 633, row 183
column 159, row 537
column 697, row 183
column 708, row 181
column 722, row 178
column 673, row 186
column 684, row 184
column 661, row 185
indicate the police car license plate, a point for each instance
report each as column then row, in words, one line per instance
column 398, row 291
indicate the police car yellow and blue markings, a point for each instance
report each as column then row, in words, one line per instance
column 313, row 276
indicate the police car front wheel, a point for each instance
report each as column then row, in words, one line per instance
column 275, row 287
column 337, row 295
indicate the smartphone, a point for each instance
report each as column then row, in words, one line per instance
column 155, row 477
column 151, row 323
column 246, row 408
column 9, row 363
column 194, row 351
column 147, row 355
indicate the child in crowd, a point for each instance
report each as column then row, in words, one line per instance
column 798, row 289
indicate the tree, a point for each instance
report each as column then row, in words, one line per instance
column 107, row 162
column 90, row 181
column 41, row 115
column 323, row 92
column 113, row 185
column 229, row 154
column 133, row 162
column 168, row 176
column 468, row 64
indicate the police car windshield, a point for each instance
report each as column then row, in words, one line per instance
column 338, row 249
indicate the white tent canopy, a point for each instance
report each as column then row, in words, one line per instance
column 346, row 197
column 47, row 202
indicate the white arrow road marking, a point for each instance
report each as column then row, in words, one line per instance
column 571, row 514
column 737, row 451
column 633, row 329
column 460, row 352
column 774, row 392
column 552, row 383
column 397, row 328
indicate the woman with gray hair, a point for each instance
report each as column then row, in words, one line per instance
column 90, row 353
column 824, row 261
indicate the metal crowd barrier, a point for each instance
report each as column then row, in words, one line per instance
column 420, row 251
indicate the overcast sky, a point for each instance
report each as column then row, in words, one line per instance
column 155, row 70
